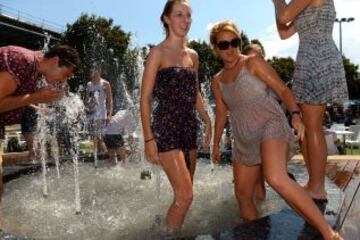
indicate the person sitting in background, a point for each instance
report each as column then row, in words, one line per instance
column 122, row 122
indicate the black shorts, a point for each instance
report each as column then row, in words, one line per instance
column 113, row 141
column 29, row 120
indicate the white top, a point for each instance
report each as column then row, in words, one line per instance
column 121, row 123
column 99, row 93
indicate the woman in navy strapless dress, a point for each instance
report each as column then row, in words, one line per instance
column 170, row 130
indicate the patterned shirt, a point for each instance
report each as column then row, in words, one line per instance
column 21, row 64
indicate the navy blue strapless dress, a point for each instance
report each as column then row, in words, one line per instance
column 174, row 122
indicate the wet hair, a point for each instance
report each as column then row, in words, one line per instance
column 167, row 11
column 252, row 46
column 68, row 56
column 96, row 67
column 228, row 26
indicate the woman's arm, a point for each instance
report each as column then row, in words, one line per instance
column 263, row 70
column 200, row 107
column 199, row 99
column 286, row 14
column 147, row 86
column 285, row 31
column 109, row 101
column 220, row 118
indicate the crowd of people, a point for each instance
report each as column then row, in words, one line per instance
column 247, row 89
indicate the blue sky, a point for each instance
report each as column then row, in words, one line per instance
column 141, row 17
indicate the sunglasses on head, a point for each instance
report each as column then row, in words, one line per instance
column 223, row 45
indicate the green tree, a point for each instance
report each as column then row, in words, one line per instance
column 99, row 41
column 352, row 78
column 284, row 67
column 209, row 64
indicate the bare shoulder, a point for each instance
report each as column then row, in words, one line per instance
column 216, row 79
column 254, row 62
column 156, row 52
column 193, row 54
column 106, row 83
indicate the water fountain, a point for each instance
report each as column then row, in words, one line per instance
column 116, row 204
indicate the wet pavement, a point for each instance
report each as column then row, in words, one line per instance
column 285, row 224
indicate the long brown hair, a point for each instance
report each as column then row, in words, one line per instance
column 167, row 11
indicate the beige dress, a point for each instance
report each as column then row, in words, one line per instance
column 255, row 116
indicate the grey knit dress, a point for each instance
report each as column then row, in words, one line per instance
column 319, row 75
column 255, row 116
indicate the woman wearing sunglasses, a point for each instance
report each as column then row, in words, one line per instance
column 261, row 133
column 170, row 78
column 319, row 77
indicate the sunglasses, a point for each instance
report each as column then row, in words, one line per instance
column 224, row 45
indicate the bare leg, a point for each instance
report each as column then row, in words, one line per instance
column 315, row 148
column 260, row 191
column 173, row 163
column 304, row 152
column 245, row 179
column 100, row 144
column 112, row 155
column 121, row 153
column 192, row 164
column 29, row 138
column 274, row 156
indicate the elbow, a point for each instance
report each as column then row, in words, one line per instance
column 284, row 17
column 283, row 36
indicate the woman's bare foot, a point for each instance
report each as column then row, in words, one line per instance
column 319, row 195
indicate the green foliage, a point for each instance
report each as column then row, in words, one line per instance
column 284, row 67
column 98, row 41
column 244, row 40
column 209, row 64
column 352, row 78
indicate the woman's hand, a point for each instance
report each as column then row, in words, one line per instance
column 299, row 127
column 151, row 152
column 216, row 153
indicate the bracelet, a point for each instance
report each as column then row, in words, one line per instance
column 297, row 112
column 148, row 140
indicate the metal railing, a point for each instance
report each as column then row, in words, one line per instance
column 29, row 19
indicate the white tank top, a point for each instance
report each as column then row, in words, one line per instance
column 98, row 91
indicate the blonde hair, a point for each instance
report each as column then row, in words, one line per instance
column 222, row 26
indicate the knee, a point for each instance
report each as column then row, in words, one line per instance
column 276, row 181
column 184, row 198
column 243, row 194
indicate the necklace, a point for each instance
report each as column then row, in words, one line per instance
column 233, row 66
